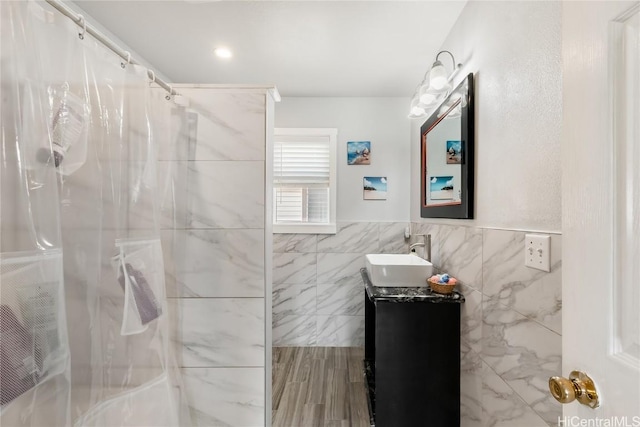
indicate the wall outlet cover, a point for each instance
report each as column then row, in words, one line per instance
column 537, row 248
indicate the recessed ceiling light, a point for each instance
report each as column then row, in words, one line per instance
column 222, row 52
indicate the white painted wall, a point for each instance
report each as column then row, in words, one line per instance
column 514, row 50
column 383, row 121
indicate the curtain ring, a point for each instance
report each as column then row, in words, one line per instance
column 122, row 64
column 153, row 76
column 168, row 97
column 84, row 26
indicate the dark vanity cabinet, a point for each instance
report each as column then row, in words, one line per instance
column 412, row 356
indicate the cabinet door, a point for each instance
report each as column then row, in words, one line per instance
column 417, row 364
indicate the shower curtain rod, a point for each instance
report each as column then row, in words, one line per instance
column 81, row 22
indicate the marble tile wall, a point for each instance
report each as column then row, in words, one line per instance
column 511, row 324
column 318, row 296
column 214, row 245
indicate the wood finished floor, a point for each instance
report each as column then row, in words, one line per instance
column 319, row 387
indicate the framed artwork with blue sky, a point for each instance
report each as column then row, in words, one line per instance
column 441, row 187
column 454, row 152
column 359, row 152
column 375, row 187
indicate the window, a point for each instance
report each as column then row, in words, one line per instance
column 304, row 181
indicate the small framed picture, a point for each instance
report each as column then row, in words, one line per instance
column 441, row 187
column 375, row 187
column 359, row 152
column 454, row 153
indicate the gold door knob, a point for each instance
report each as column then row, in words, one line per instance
column 579, row 386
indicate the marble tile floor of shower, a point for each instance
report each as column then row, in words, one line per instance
column 319, row 387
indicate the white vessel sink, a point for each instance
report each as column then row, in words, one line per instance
column 397, row 270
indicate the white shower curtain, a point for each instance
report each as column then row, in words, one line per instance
column 84, row 322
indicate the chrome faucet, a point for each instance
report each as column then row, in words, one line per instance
column 426, row 245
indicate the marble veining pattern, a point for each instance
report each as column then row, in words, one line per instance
column 235, row 132
column 346, row 299
column 534, row 293
column 330, row 264
column 392, row 239
column 494, row 392
column 502, row 407
column 461, row 254
column 225, row 194
column 214, row 263
column 225, row 396
column 295, row 331
column 512, row 341
column 179, row 135
column 294, row 268
column 173, row 199
column 407, row 294
column 221, row 332
column 542, row 301
column 470, row 386
column 294, row 299
column 510, row 329
column 471, row 318
column 303, row 243
column 360, row 237
column 212, row 211
column 340, row 268
column 340, row 331
column 510, row 325
column 523, row 353
column 514, row 390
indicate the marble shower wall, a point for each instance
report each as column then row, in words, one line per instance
column 215, row 245
column 511, row 324
column 318, row 297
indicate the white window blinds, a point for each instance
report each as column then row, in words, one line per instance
column 304, row 171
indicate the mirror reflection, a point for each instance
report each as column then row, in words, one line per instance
column 444, row 158
column 447, row 157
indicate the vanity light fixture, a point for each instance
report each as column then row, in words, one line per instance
column 435, row 86
column 438, row 78
column 416, row 110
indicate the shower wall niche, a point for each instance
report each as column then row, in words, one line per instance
column 218, row 247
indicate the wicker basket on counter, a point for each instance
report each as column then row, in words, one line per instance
column 441, row 288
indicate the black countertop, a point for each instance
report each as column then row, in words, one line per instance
column 409, row 294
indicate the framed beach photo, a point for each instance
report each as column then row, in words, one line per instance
column 375, row 188
column 441, row 187
column 454, row 152
column 359, row 152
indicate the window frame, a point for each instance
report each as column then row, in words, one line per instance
column 306, row 227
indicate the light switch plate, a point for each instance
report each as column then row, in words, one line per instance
column 537, row 248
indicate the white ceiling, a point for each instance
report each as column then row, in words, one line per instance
column 305, row 48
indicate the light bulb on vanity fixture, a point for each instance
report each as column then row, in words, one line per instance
column 223, row 52
column 434, row 87
column 428, row 96
column 416, row 110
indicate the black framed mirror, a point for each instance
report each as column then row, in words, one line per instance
column 447, row 156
